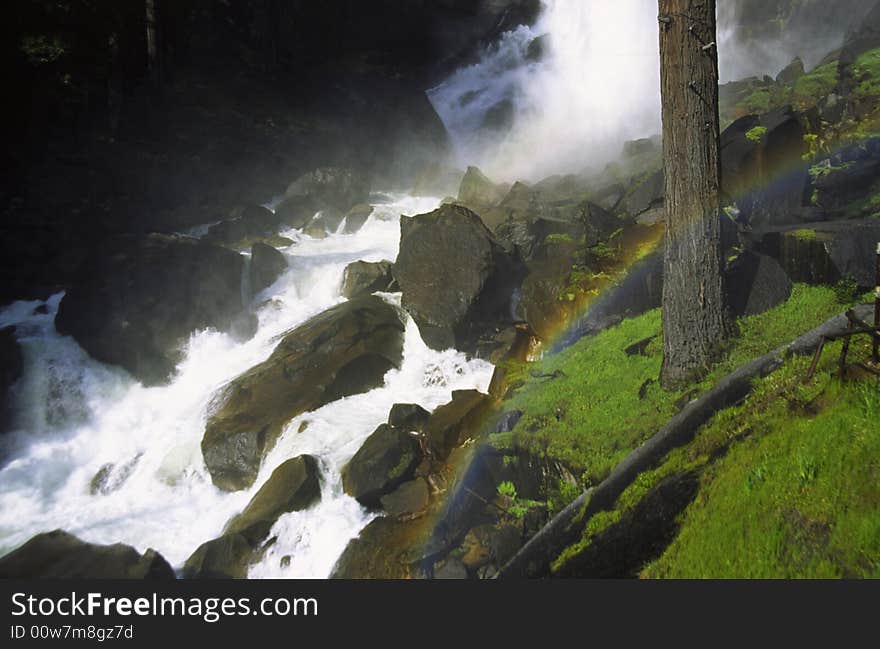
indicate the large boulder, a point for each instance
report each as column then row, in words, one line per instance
column 345, row 350
column 847, row 184
column 386, row 460
column 826, row 252
column 335, row 187
column 456, row 278
column 267, row 265
column 59, row 555
column 357, row 216
column 226, row 557
column 756, row 283
column 762, row 167
column 245, row 226
column 293, row 486
column 542, row 299
column 456, row 422
column 644, row 195
column 478, row 192
column 134, row 305
column 297, row 211
column 11, row 368
column 363, row 278
column 408, row 416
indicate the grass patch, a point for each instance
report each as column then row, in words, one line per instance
column 590, row 405
column 789, row 484
column 799, row 498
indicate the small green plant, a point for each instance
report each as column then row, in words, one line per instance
column 507, row 489
column 756, row 134
column 807, row 471
column 847, row 290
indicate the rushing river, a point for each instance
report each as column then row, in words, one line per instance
column 74, row 416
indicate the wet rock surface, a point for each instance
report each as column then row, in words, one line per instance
column 343, row 351
column 137, row 302
column 59, row 555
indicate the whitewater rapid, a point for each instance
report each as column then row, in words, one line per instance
column 74, row 416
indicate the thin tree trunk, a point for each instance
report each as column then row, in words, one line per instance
column 695, row 320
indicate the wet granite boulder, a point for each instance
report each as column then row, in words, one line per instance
column 345, row 350
column 136, row 303
column 59, row 555
column 386, row 460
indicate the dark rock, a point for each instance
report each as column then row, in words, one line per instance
column 408, row 499
column 823, row 253
column 538, row 48
column 542, row 294
column 499, row 118
column 387, row 459
column 756, row 283
column 356, row 217
column 333, row 187
column 478, row 192
column 507, row 422
column 226, row 557
column 387, row 548
column 245, row 226
column 267, row 265
column 134, row 305
column 647, row 194
column 408, row 416
column 453, row 424
column 110, row 477
column 328, row 220
column 364, row 278
column 343, row 351
column 762, row 167
column 844, row 184
column 792, row 72
column 297, row 211
column 59, row 555
column 293, row 486
column 456, row 279
column 11, row 369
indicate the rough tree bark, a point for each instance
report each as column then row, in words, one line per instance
column 695, row 320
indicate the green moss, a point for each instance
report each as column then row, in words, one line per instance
column 756, row 134
column 799, row 498
column 603, row 402
column 788, row 483
column 559, row 238
column 804, row 234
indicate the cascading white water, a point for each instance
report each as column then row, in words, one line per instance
column 596, row 86
column 75, row 416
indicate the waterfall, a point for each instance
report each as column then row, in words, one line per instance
column 596, row 85
column 76, row 419
column 519, row 117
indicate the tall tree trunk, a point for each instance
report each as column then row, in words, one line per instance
column 695, row 320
